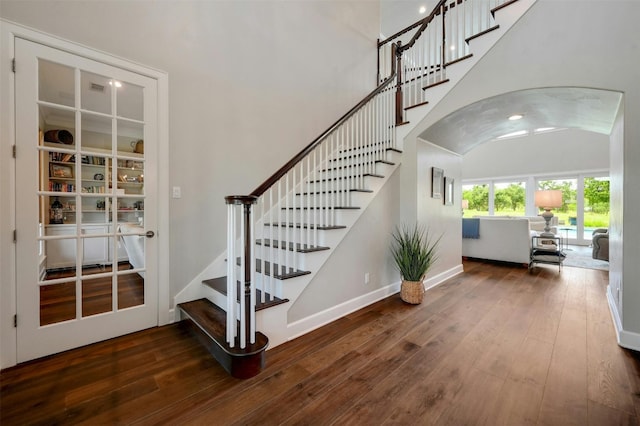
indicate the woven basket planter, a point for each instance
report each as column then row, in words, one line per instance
column 412, row 292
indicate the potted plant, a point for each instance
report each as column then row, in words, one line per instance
column 414, row 253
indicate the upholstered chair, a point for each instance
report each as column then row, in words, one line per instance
column 600, row 244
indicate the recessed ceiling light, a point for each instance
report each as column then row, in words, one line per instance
column 422, row 10
column 516, row 117
column 452, row 47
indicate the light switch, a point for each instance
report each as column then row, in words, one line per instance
column 177, row 192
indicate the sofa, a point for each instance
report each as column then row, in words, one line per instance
column 506, row 239
column 600, row 242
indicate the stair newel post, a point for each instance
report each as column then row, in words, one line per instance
column 396, row 53
column 247, row 271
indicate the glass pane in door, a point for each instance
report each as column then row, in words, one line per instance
column 57, row 302
column 97, row 296
column 596, row 205
column 56, row 83
column 96, row 92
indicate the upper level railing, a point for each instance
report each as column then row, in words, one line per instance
column 280, row 218
column 428, row 46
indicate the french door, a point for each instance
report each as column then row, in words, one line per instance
column 86, row 197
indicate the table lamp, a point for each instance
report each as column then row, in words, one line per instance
column 548, row 199
column 465, row 205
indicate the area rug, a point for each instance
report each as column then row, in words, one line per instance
column 580, row 257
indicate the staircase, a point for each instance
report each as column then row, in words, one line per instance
column 281, row 234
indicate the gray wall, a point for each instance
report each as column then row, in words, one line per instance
column 250, row 84
column 364, row 249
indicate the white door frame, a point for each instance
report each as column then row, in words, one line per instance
column 8, row 32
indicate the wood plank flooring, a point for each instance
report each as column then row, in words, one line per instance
column 496, row 345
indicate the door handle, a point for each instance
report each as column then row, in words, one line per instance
column 150, row 234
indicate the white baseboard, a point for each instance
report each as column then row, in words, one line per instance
column 443, row 276
column 310, row 323
column 626, row 339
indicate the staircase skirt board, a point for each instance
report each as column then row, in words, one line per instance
column 208, row 324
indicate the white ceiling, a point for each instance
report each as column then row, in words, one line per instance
column 565, row 107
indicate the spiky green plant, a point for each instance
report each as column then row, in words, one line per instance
column 413, row 251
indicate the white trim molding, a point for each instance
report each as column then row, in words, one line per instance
column 626, row 339
column 307, row 325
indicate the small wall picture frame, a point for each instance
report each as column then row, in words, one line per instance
column 448, row 191
column 436, row 182
column 60, row 171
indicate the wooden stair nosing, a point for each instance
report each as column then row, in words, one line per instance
column 307, row 226
column 502, row 6
column 420, row 77
column 335, row 192
column 437, row 83
column 285, row 273
column 369, row 145
column 460, row 59
column 322, row 208
column 416, row 105
column 208, row 324
column 375, row 175
column 358, row 155
column 300, row 248
column 220, row 285
column 481, row 33
column 390, row 163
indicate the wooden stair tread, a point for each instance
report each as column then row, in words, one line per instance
column 285, row 273
column 220, row 285
column 437, row 83
column 212, row 320
column 336, row 191
column 481, row 33
column 322, row 208
column 300, row 248
column 375, row 175
column 356, row 165
column 306, row 226
column 207, row 323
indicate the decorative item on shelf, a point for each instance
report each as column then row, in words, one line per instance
column 60, row 171
column 56, row 216
column 138, row 146
column 414, row 253
column 58, row 136
column 548, row 199
column 98, row 176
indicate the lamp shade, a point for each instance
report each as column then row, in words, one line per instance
column 465, row 204
column 548, row 198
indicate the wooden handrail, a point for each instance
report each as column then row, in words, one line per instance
column 425, row 22
column 309, row 148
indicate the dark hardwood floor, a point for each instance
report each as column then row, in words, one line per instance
column 496, row 345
